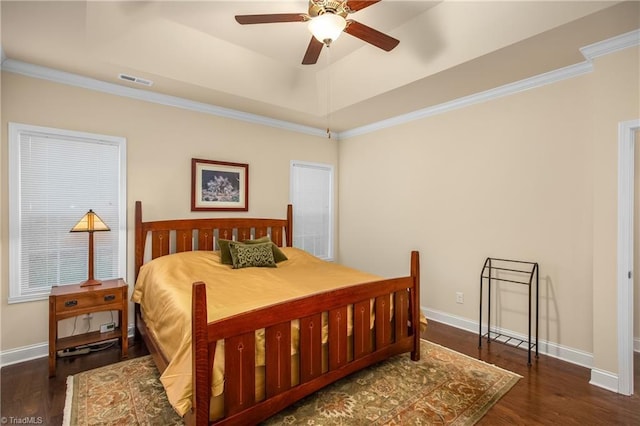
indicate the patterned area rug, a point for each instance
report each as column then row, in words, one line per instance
column 444, row 387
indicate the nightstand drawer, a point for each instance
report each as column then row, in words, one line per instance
column 91, row 299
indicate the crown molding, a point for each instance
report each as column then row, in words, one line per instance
column 63, row 77
column 495, row 93
column 611, row 45
column 590, row 52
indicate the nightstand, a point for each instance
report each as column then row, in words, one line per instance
column 72, row 300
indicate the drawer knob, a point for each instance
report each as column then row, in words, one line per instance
column 70, row 303
column 109, row 297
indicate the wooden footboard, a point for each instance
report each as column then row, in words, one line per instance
column 396, row 330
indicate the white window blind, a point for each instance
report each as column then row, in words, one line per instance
column 55, row 177
column 312, row 199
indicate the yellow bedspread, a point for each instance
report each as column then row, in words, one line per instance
column 163, row 290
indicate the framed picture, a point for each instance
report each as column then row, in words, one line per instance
column 219, row 185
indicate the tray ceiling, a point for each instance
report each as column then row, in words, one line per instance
column 196, row 50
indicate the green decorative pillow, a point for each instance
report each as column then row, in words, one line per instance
column 225, row 253
column 278, row 255
column 248, row 255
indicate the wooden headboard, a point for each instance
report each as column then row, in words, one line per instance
column 178, row 235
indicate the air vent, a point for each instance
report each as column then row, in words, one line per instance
column 137, row 80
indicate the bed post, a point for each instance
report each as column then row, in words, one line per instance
column 289, row 229
column 138, row 259
column 139, row 243
column 415, row 303
column 201, row 367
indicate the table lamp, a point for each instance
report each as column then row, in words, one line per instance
column 90, row 223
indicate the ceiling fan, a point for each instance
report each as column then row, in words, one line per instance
column 327, row 20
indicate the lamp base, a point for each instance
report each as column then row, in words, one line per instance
column 89, row 283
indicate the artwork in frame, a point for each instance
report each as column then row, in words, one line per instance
column 219, row 185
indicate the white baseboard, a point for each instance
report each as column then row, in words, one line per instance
column 452, row 320
column 564, row 353
column 39, row 350
column 601, row 378
column 604, row 379
column 25, row 353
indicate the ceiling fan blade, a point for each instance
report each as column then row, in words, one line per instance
column 354, row 5
column 313, row 52
column 370, row 35
column 271, row 18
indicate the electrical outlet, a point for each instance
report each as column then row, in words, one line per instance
column 459, row 297
column 110, row 326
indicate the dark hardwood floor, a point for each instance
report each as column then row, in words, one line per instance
column 550, row 392
column 28, row 392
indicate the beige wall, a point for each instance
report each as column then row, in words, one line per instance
column 160, row 144
column 530, row 176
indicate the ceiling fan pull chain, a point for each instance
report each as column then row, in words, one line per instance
column 328, row 91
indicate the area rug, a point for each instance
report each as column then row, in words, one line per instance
column 444, row 387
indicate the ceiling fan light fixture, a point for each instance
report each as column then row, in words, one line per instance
column 327, row 27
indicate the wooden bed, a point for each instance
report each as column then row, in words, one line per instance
column 395, row 329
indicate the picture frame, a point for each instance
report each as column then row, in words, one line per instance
column 219, row 186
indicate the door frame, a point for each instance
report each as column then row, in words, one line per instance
column 626, row 146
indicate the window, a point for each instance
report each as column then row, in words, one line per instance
column 312, row 199
column 55, row 177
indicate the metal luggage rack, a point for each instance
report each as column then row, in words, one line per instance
column 519, row 272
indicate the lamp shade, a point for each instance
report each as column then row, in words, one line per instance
column 327, row 27
column 90, row 222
